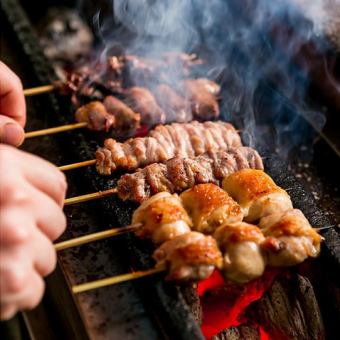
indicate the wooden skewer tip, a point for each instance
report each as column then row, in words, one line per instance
column 50, row 131
column 77, row 165
column 38, row 90
column 89, row 197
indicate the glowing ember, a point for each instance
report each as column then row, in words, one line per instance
column 224, row 304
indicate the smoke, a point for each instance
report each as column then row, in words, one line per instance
column 252, row 48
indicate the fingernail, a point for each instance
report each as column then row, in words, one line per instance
column 12, row 134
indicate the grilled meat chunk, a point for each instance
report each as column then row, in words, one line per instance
column 162, row 217
column 96, row 116
column 189, row 257
column 176, row 108
column 126, row 120
column 142, row 100
column 240, row 244
column 179, row 174
column 201, row 96
column 256, row 193
column 165, row 142
column 290, row 238
column 210, row 207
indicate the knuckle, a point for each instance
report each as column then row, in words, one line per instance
column 13, row 193
column 12, row 232
column 15, row 280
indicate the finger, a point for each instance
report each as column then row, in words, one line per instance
column 15, row 226
column 44, row 254
column 50, row 218
column 12, row 100
column 7, row 311
column 10, row 131
column 45, row 177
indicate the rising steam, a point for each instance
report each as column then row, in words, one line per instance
column 250, row 47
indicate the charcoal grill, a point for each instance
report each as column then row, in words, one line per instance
column 150, row 308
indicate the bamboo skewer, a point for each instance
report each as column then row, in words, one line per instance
column 77, row 165
column 53, row 130
column 78, row 241
column 89, row 197
column 38, row 90
column 116, row 279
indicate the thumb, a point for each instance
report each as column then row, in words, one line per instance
column 10, row 131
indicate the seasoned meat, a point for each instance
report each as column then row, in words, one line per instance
column 179, row 174
column 126, row 120
column 141, row 100
column 290, row 238
column 176, row 108
column 240, row 244
column 256, row 193
column 96, row 116
column 210, row 206
column 162, row 217
column 165, row 142
column 208, row 85
column 204, row 104
column 189, row 257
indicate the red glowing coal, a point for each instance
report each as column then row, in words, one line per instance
column 224, row 304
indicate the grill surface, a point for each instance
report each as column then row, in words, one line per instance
column 98, row 316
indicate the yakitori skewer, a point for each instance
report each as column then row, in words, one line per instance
column 116, row 279
column 53, row 130
column 39, row 90
column 178, row 174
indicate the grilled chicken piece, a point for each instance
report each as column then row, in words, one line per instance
column 210, row 207
column 240, row 244
column 290, row 238
column 96, row 116
column 189, row 257
column 165, row 142
column 142, row 100
column 162, row 217
column 256, row 193
column 208, row 85
column 126, row 120
column 177, row 109
column 204, row 104
column 179, row 174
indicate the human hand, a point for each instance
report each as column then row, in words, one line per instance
column 32, row 192
column 12, row 107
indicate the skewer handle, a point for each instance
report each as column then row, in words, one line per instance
column 77, row 165
column 90, row 197
column 53, row 130
column 95, row 237
column 116, row 279
column 38, row 90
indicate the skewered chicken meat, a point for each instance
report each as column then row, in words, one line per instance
column 179, row 174
column 201, row 96
column 96, row 116
column 210, row 206
column 142, row 100
column 165, row 142
column 162, row 217
column 240, row 244
column 256, row 193
column 126, row 120
column 290, row 238
column 189, row 257
column 177, row 109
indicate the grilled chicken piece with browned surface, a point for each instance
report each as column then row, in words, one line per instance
column 142, row 100
column 201, row 94
column 96, row 116
column 179, row 174
column 176, row 108
column 189, row 257
column 290, row 239
column 162, row 217
column 256, row 193
column 209, row 207
column 165, row 142
column 240, row 244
